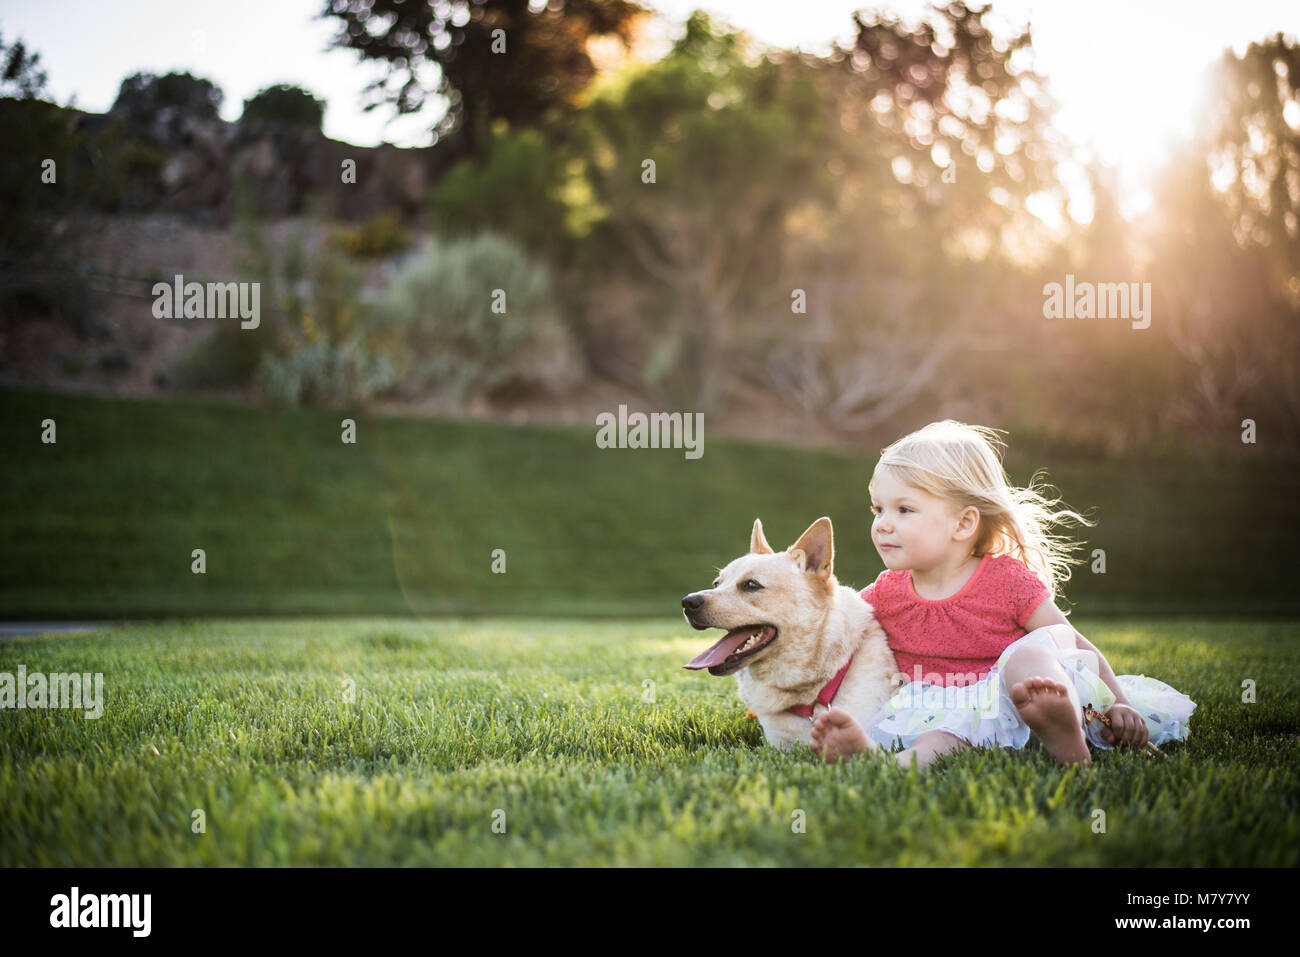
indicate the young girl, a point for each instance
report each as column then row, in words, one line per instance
column 967, row 603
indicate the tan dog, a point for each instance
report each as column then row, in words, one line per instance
column 791, row 629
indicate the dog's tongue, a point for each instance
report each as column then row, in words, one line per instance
column 719, row 652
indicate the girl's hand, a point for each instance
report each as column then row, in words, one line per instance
column 1126, row 727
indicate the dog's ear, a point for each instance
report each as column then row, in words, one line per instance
column 815, row 549
column 757, row 543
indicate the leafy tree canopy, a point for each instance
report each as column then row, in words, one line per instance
column 529, row 73
column 284, row 105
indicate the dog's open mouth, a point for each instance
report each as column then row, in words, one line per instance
column 736, row 647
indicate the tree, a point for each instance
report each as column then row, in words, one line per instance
column 1252, row 138
column 284, row 105
column 734, row 145
column 23, row 77
column 943, row 133
column 1227, row 262
column 34, row 132
column 143, row 94
column 822, row 175
column 49, row 170
column 455, row 51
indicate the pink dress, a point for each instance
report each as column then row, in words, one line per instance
column 951, row 653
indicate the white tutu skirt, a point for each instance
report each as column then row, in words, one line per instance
column 984, row 715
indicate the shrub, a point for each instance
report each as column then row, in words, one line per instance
column 380, row 235
column 325, row 372
column 228, row 357
column 320, row 353
column 440, row 305
column 312, row 346
column 513, row 192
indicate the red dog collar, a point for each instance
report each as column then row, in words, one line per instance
column 827, row 694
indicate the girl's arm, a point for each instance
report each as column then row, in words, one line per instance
column 1048, row 614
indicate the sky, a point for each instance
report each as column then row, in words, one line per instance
column 1125, row 72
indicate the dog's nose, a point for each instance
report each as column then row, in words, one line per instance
column 693, row 602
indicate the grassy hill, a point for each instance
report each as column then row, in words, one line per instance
column 292, row 520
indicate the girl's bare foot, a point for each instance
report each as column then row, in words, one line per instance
column 1046, row 707
column 836, row 736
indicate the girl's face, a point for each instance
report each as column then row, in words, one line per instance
column 912, row 528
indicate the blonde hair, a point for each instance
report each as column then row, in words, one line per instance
column 962, row 464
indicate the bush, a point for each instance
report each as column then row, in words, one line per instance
column 228, row 357
column 513, row 192
column 440, row 306
column 320, row 353
column 325, row 373
column 380, row 235
column 312, row 346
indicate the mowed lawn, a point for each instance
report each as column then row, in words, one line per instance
column 584, row 743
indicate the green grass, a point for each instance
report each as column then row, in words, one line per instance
column 545, row 720
column 102, row 523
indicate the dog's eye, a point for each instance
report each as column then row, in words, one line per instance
column 715, row 583
column 751, row 585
